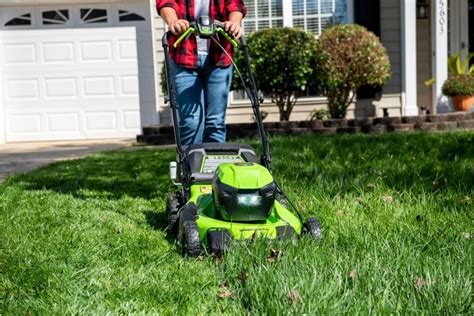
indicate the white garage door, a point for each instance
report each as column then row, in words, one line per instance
column 78, row 82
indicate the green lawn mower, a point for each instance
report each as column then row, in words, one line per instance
column 225, row 192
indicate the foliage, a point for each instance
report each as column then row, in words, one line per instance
column 458, row 85
column 284, row 61
column 354, row 57
column 319, row 114
column 459, row 66
column 88, row 236
column 163, row 82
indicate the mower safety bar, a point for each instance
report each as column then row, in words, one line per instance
column 193, row 29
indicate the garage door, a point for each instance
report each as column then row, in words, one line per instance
column 75, row 81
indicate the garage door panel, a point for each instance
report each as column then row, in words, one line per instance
column 131, row 120
column 55, row 88
column 129, row 85
column 96, row 51
column 63, row 122
column 95, row 86
column 127, row 50
column 24, row 123
column 58, row 52
column 71, row 84
column 20, row 54
column 101, row 121
column 22, row 89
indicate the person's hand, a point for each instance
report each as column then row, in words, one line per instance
column 178, row 26
column 233, row 28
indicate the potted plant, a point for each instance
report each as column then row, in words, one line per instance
column 461, row 89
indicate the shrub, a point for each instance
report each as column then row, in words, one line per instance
column 354, row 57
column 163, row 82
column 458, row 85
column 283, row 61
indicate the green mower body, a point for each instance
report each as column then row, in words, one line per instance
column 232, row 197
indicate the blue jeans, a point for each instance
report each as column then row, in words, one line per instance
column 202, row 95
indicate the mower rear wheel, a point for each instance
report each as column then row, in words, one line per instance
column 173, row 205
column 313, row 228
column 190, row 242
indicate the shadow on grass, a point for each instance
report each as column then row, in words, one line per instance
column 112, row 175
column 415, row 162
column 158, row 221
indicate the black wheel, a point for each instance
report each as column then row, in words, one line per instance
column 190, row 242
column 313, row 228
column 173, row 205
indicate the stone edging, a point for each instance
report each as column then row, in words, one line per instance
column 163, row 134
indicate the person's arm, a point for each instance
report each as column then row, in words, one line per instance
column 233, row 25
column 236, row 11
column 166, row 9
column 176, row 26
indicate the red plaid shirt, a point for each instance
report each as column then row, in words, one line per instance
column 186, row 52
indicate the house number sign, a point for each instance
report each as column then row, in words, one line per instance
column 442, row 16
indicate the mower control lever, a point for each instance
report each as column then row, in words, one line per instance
column 206, row 28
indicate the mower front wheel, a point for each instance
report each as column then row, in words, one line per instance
column 190, row 243
column 313, row 228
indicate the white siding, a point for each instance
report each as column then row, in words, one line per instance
column 159, row 25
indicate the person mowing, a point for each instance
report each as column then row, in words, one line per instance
column 200, row 70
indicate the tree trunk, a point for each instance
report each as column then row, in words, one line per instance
column 284, row 109
column 338, row 103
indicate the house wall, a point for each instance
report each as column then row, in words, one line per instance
column 159, row 29
column 239, row 111
column 390, row 35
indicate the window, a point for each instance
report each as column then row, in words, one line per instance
column 21, row 20
column 93, row 16
column 310, row 15
column 316, row 15
column 127, row 16
column 55, row 17
column 263, row 14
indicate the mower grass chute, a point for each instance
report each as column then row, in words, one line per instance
column 224, row 191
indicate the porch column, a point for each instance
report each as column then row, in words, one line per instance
column 439, row 40
column 408, row 55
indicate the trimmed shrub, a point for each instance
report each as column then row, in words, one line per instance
column 284, row 60
column 354, row 58
column 458, row 85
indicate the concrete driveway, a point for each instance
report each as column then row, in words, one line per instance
column 23, row 157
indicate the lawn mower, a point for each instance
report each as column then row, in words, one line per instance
column 224, row 191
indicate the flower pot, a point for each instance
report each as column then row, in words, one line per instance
column 463, row 102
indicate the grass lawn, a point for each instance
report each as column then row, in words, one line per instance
column 87, row 236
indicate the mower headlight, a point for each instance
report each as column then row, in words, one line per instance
column 249, row 199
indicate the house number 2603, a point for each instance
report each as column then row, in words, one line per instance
column 442, row 16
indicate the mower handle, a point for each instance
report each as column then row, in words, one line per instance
column 218, row 29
